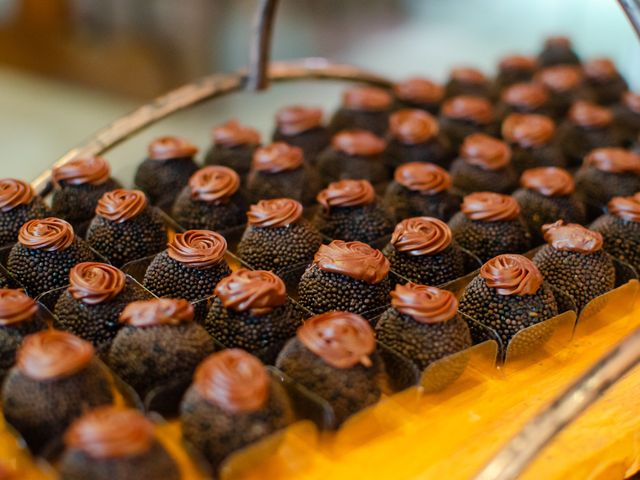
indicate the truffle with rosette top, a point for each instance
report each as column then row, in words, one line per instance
column 233, row 146
column 514, row 69
column 302, row 127
column 558, row 50
column 566, row 85
column 363, row 107
column 524, row 98
column 464, row 115
column 419, row 92
column 18, row 204
column 604, row 79
column 467, row 81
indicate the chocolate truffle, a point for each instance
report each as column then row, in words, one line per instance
column 464, row 115
column 605, row 81
column 414, row 135
column 627, row 116
column 56, row 378
column 363, row 107
column 484, row 164
column 565, row 84
column 507, row 296
column 232, row 403
column 423, row 324
column 467, row 81
column 620, row 229
column 45, row 252
column 514, row 69
column 126, row 227
column 423, row 251
column 334, row 355
column 351, row 211
column 251, row 311
column 279, row 170
column 354, row 154
column 18, row 204
column 158, row 344
column 524, row 98
column 531, row 138
column 233, row 147
column 277, row 237
column 588, row 126
column 211, row 201
column 166, row 170
column 90, row 307
column 547, row 194
column 302, row 127
column 421, row 93
column 573, row 261
column 558, row 50
column 490, row 224
column 18, row 318
column 608, row 173
column 110, row 443
column 421, row 190
column 349, row 276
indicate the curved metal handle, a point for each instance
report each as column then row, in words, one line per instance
column 261, row 45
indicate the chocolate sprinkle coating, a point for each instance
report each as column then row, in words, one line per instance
column 301, row 184
column 11, row 337
column 11, row 221
column 312, row 141
column 621, row 238
column 77, row 203
column 434, row 269
column 470, row 178
column 404, row 203
column 597, row 187
column 334, row 165
column 163, row 180
column 367, row 223
column 196, row 215
column 238, row 157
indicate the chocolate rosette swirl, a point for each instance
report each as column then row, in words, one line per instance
column 169, row 147
column 627, row 208
column 233, row 134
column 528, row 130
column 490, row 207
column 347, row 193
column 121, row 205
column 572, row 237
column 358, row 142
column 426, row 178
column 82, row 171
column 468, row 108
column 424, row 304
column 277, row 157
column 560, row 78
column 600, row 69
column 214, row 184
column 485, row 152
column 159, row 311
column 296, row 119
column 421, row 236
column 197, row 248
column 517, row 62
column 511, row 274
column 353, row 259
column 468, row 75
column 548, row 181
column 528, row 96
column 613, row 160
column 590, row 115
column 14, row 193
column 94, row 283
column 16, row 307
column 412, row 126
column 255, row 291
column 278, row 212
column 48, row 234
column 363, row 97
column 419, row 90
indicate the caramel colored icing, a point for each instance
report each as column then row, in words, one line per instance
column 52, row 354
column 277, row 157
column 560, row 78
column 600, row 69
column 158, row 311
column 589, row 115
column 353, row 259
column 468, row 108
column 214, row 184
column 511, row 274
column 518, row 62
column 468, row 75
column 412, row 126
column 528, row 131
column 426, row 178
column 255, row 291
column 166, row 148
column 110, row 432
column 424, row 304
column 632, row 101
column 277, row 212
column 358, row 142
column 485, row 152
column 296, row 119
column 94, row 283
column 233, row 380
column 627, row 208
column 421, row 236
column 233, row 134
column 613, row 160
column 16, row 307
column 490, row 207
column 347, row 193
column 548, row 181
column 419, row 90
column 572, row 237
column 525, row 95
column 199, row 249
column 48, row 234
column 363, row 97
column 82, row 171
column 13, row 193
column 121, row 205
column 341, row 339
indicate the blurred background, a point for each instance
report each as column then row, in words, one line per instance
column 69, row 67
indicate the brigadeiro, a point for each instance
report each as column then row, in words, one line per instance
column 302, row 127
column 277, row 237
column 490, row 224
column 18, row 318
column 126, row 227
column 354, row 154
column 158, row 344
column 334, row 355
column 467, row 81
column 558, row 50
column 524, row 98
column 349, row 276
column 18, row 204
column 423, row 324
column 251, row 311
column 421, row 93
column 573, row 261
column 608, row 173
column 548, row 194
column 166, row 170
column 484, row 164
column 78, row 185
column 464, row 115
column 45, row 252
column 514, row 69
column 507, row 296
column 421, row 189
column 233, row 147
column 110, row 443
column 566, row 85
column 620, row 229
column 363, row 107
column 56, row 378
column 422, row 250
column 627, row 116
column 279, row 170
column 414, row 136
column 587, row 126
column 351, row 211
column 605, row 81
column 532, row 142
column 212, row 200
column 90, row 307
column 232, row 403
